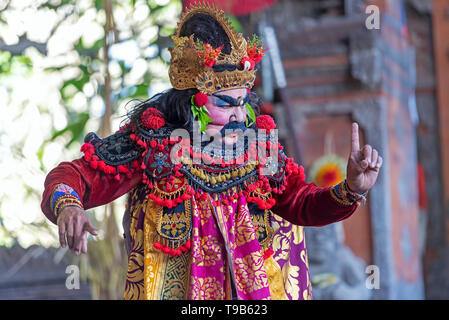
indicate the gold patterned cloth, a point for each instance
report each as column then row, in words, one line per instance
column 229, row 243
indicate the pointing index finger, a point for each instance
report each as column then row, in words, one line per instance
column 355, row 145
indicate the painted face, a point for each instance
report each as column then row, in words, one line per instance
column 228, row 112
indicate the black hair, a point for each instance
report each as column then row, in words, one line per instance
column 176, row 107
column 206, row 29
column 174, row 104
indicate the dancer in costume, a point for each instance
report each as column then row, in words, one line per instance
column 204, row 222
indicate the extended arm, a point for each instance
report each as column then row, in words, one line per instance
column 93, row 187
column 308, row 205
column 109, row 169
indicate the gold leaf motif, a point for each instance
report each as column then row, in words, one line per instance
column 186, row 69
column 250, row 273
column 244, row 228
column 275, row 280
column 179, row 41
column 134, row 289
column 206, row 252
column 291, row 283
column 298, row 234
column 208, row 288
column 305, row 295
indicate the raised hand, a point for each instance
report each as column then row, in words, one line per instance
column 363, row 164
column 74, row 225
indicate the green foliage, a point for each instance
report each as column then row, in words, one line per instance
column 75, row 128
column 5, row 62
column 78, row 72
column 138, row 91
column 250, row 115
column 200, row 114
column 56, row 6
column 73, row 62
column 235, row 23
column 10, row 64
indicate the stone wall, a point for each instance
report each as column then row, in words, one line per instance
column 338, row 71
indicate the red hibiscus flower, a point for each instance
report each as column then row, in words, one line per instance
column 257, row 57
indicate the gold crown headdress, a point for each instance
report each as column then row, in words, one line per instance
column 192, row 62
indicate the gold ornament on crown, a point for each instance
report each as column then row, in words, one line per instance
column 191, row 62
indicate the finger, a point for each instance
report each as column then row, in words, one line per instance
column 91, row 228
column 366, row 157
column 84, row 242
column 70, row 233
column 355, row 143
column 374, row 157
column 364, row 164
column 78, row 236
column 379, row 162
column 367, row 150
column 62, row 230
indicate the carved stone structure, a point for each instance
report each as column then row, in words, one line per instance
column 336, row 273
column 339, row 71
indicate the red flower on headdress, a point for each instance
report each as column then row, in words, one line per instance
column 265, row 122
column 208, row 53
column 255, row 55
column 152, row 118
column 200, row 99
column 255, row 49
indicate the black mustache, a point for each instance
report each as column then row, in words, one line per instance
column 233, row 126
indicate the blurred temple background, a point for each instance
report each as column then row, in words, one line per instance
column 70, row 67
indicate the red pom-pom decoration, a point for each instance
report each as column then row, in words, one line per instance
column 265, row 122
column 268, row 253
column 200, row 99
column 152, row 118
column 157, row 246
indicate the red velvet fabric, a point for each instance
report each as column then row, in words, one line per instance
column 305, row 204
column 301, row 203
column 95, row 188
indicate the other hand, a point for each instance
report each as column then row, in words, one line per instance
column 74, row 224
column 363, row 165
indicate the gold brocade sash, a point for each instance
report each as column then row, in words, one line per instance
column 153, row 275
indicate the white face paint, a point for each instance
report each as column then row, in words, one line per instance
column 222, row 113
